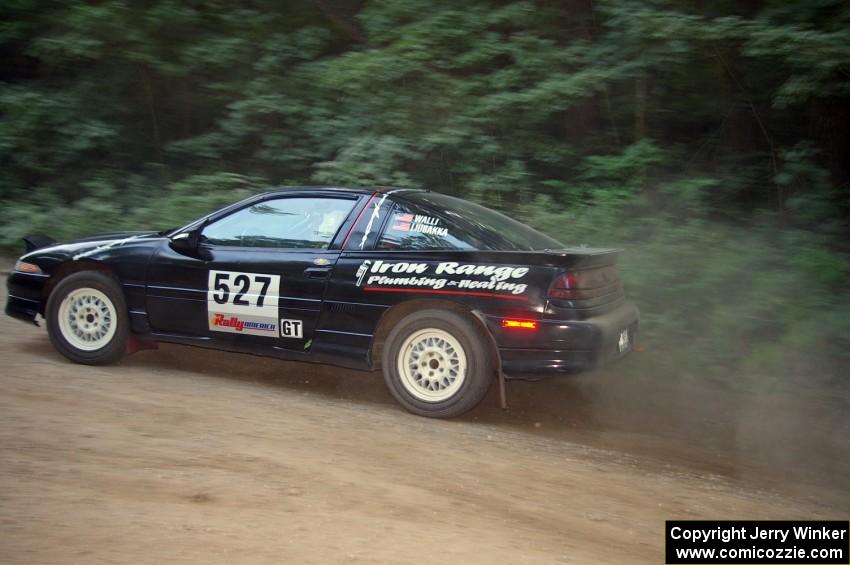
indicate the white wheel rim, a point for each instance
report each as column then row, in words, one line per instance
column 432, row 365
column 87, row 319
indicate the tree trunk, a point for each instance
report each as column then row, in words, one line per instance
column 830, row 129
column 640, row 106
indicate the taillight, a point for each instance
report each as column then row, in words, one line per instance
column 583, row 285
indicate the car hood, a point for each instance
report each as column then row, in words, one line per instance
column 92, row 246
column 102, row 238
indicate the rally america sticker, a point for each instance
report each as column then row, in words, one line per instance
column 243, row 303
column 447, row 277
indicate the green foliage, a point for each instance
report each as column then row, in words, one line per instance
column 191, row 197
column 106, row 208
column 707, row 139
column 749, row 306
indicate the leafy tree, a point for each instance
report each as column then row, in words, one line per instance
column 710, row 139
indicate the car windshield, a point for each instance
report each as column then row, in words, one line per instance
column 482, row 228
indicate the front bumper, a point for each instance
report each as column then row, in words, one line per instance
column 563, row 346
column 25, row 290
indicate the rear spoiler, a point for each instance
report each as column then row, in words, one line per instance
column 37, row 241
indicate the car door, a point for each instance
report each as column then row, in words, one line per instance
column 257, row 277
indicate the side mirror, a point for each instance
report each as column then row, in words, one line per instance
column 187, row 242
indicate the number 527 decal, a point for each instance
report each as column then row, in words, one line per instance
column 243, row 303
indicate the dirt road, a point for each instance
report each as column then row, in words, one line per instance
column 187, row 455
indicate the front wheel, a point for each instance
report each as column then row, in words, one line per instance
column 87, row 318
column 436, row 363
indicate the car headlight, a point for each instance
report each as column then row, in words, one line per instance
column 24, row 267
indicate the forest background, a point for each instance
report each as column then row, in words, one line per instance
column 710, row 140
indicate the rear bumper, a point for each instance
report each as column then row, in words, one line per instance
column 24, row 295
column 564, row 346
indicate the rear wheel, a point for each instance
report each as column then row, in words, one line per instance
column 436, row 363
column 86, row 318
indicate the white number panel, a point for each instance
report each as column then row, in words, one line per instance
column 243, row 303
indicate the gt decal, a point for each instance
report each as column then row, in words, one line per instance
column 291, row 328
column 243, row 303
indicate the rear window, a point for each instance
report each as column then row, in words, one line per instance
column 431, row 221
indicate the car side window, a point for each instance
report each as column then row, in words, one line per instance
column 412, row 228
column 305, row 223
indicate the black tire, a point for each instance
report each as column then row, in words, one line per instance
column 115, row 346
column 408, row 390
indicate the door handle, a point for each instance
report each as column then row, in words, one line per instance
column 317, row 272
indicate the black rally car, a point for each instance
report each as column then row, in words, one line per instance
column 439, row 293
